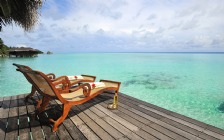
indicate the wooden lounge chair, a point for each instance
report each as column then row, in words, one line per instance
column 76, row 96
column 60, row 86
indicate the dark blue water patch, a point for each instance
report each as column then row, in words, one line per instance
column 142, row 75
column 153, row 81
column 129, row 82
column 151, row 86
column 221, row 107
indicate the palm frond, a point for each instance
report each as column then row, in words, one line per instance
column 23, row 12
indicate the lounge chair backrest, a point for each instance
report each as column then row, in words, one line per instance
column 24, row 67
column 40, row 81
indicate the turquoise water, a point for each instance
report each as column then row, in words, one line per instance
column 191, row 84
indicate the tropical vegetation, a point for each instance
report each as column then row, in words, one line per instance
column 49, row 52
column 3, row 49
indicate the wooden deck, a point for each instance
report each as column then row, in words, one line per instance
column 134, row 119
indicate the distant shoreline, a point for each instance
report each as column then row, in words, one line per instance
column 149, row 52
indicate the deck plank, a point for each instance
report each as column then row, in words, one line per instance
column 116, row 121
column 69, row 125
column 4, row 112
column 37, row 132
column 138, row 131
column 187, row 119
column 177, row 122
column 108, row 128
column 87, row 132
column 93, row 125
column 142, row 132
column 144, row 123
column 155, row 118
column 178, row 127
column 80, row 124
column 24, row 128
column 56, row 111
column 43, row 122
column 12, row 127
column 5, row 107
column 134, row 119
column 1, row 101
column 146, row 131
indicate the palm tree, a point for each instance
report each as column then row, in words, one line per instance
column 23, row 12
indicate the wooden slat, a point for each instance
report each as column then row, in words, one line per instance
column 122, row 121
column 179, row 123
column 87, row 132
column 62, row 133
column 155, row 118
column 108, row 128
column 94, row 126
column 176, row 124
column 1, row 101
column 195, row 127
column 145, row 124
column 37, row 132
column 134, row 119
column 124, row 127
column 147, row 131
column 5, row 107
column 4, row 112
column 44, row 123
column 24, row 129
column 47, row 129
column 12, row 127
column 140, row 132
column 187, row 119
column 71, row 128
column 160, row 120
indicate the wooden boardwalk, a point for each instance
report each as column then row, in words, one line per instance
column 134, row 119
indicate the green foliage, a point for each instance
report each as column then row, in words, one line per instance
column 40, row 52
column 48, row 52
column 3, row 48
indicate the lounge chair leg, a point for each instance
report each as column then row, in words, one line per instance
column 33, row 90
column 43, row 104
column 114, row 105
column 39, row 102
column 66, row 109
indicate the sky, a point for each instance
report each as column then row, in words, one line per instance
column 69, row 26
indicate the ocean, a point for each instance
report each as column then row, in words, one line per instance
column 191, row 84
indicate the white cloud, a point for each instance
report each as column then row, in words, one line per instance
column 123, row 25
column 21, row 45
column 203, row 40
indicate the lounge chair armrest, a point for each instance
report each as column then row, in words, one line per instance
column 86, row 89
column 113, row 84
column 58, row 78
column 58, row 82
column 110, row 81
column 90, row 77
column 87, row 78
column 62, row 80
column 51, row 75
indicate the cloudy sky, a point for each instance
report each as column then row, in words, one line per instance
column 124, row 26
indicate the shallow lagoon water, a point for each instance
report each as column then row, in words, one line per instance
column 191, row 84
